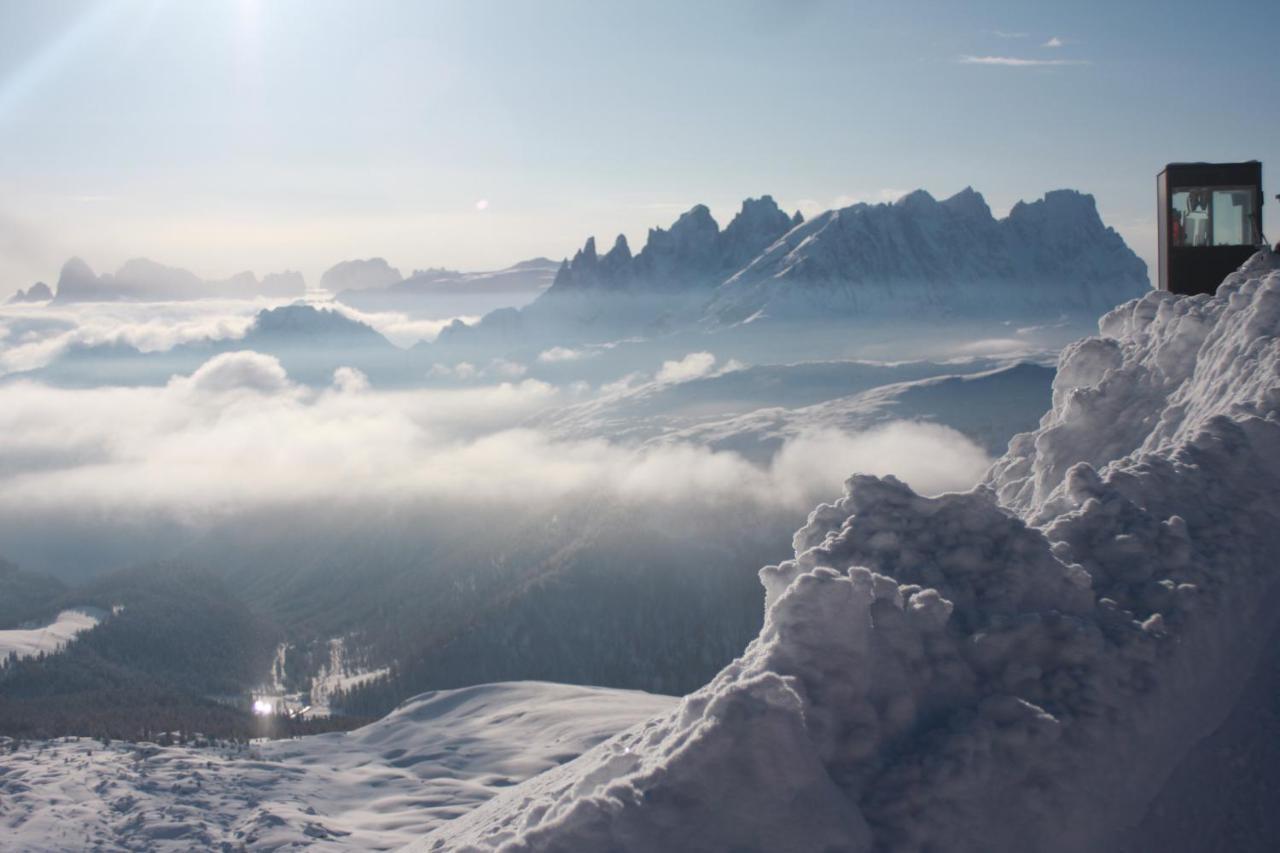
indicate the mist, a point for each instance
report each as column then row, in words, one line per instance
column 238, row 436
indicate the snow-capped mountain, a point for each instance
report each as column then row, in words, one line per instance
column 1051, row 255
column 143, row 280
column 693, row 253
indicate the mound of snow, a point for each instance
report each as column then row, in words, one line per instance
column 1019, row 667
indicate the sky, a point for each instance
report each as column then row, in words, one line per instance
column 265, row 135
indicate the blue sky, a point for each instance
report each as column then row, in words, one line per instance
column 263, row 135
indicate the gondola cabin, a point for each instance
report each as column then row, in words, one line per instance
column 1210, row 222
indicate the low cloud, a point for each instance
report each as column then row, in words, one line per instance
column 559, row 354
column 1053, row 41
column 34, row 335
column 237, row 434
column 238, row 371
column 398, row 327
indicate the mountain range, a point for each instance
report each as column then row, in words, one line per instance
column 145, row 280
column 946, row 258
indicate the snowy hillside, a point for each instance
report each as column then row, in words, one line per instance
column 376, row 788
column 954, row 673
column 48, row 638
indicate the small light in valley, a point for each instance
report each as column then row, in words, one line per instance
column 262, row 707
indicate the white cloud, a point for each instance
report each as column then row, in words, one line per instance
column 1018, row 62
column 1053, row 41
column 556, row 354
column 1005, row 34
column 461, row 370
column 692, row 366
column 350, row 380
column 505, row 369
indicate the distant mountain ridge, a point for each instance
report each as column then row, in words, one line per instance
column 38, row 292
column 144, row 280
column 439, row 291
column 689, row 255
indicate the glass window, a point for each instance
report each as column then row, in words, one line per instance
column 1234, row 219
column 1213, row 216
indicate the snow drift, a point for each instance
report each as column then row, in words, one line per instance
column 1015, row 668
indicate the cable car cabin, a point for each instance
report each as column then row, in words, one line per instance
column 1210, row 222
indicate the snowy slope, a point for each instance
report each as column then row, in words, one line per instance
column 28, row 642
column 956, row 674
column 372, row 789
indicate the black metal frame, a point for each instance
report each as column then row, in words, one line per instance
column 1200, row 269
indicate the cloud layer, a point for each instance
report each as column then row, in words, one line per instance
column 238, row 433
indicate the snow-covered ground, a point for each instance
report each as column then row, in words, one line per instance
column 28, row 642
column 376, row 788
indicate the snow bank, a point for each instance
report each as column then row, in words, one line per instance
column 1015, row 668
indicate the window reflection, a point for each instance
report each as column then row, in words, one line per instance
column 1213, row 216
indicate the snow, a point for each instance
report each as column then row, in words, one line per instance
column 376, row 788
column 1029, row 665
column 29, row 642
column 1019, row 667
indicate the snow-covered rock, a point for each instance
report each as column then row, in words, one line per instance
column 1019, row 667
